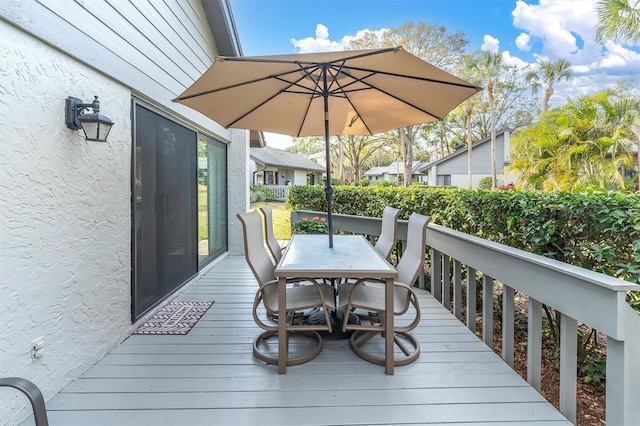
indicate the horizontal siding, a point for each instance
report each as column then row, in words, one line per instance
column 156, row 48
column 481, row 160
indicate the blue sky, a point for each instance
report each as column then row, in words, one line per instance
column 523, row 31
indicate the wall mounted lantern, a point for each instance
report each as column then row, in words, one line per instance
column 96, row 127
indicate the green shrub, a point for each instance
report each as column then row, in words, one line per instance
column 485, row 183
column 598, row 231
column 258, row 193
column 315, row 225
column 363, row 182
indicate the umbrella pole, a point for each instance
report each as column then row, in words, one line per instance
column 328, row 190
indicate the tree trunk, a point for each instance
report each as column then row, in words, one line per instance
column 545, row 101
column 340, row 161
column 468, row 111
column 406, row 144
column 492, row 116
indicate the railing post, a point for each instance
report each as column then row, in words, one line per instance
column 436, row 274
column 446, row 281
column 487, row 310
column 471, row 299
column 534, row 344
column 623, row 373
column 457, row 289
column 508, row 318
column 568, row 366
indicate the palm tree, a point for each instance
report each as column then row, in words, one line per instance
column 548, row 75
column 584, row 144
column 618, row 20
column 488, row 66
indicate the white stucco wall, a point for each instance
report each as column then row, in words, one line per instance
column 238, row 184
column 65, row 254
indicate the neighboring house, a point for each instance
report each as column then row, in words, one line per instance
column 452, row 170
column 96, row 234
column 394, row 172
column 270, row 166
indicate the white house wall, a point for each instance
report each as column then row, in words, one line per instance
column 300, row 177
column 238, row 186
column 66, row 219
column 65, row 225
column 156, row 48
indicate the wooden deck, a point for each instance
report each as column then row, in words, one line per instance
column 210, row 377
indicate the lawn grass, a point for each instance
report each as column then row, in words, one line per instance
column 281, row 219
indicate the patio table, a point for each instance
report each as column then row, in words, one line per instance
column 352, row 256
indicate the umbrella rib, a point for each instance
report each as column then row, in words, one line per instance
column 308, row 75
column 363, row 80
column 414, row 77
column 289, row 61
column 244, row 83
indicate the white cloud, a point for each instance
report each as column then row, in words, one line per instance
column 566, row 29
column 323, row 43
column 562, row 26
column 490, row 44
column 319, row 43
column 618, row 56
column 507, row 59
column 523, row 42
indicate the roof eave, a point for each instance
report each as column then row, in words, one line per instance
column 223, row 27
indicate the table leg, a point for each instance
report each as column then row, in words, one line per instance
column 388, row 325
column 283, row 344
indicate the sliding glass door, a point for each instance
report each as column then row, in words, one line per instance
column 165, row 202
column 212, row 199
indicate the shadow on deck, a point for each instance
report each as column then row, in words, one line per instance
column 210, row 377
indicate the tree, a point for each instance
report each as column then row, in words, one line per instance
column 358, row 151
column 439, row 47
column 488, row 65
column 618, row 20
column 582, row 145
column 432, row 43
column 549, row 74
column 307, row 145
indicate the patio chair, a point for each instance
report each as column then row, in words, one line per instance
column 299, row 298
column 272, row 242
column 387, row 239
column 34, row 394
column 371, row 297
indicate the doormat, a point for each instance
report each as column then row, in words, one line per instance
column 177, row 317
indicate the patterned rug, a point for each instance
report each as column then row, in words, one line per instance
column 177, row 317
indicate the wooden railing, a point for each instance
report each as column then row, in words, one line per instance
column 580, row 295
column 279, row 191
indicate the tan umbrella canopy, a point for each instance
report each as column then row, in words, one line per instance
column 357, row 92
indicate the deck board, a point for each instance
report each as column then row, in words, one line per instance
column 210, row 376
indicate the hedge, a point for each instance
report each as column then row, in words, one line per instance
column 598, row 231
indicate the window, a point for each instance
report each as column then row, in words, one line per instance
column 212, row 199
column 179, row 205
column 444, row 180
column 270, row 178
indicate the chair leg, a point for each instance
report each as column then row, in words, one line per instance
column 360, row 337
column 273, row 360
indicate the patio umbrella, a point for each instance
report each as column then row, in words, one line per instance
column 357, row 92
